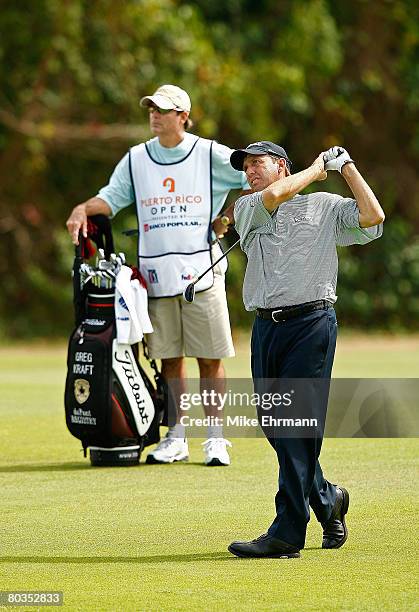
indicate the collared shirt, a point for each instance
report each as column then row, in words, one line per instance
column 291, row 253
column 119, row 193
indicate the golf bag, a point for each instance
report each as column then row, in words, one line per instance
column 110, row 403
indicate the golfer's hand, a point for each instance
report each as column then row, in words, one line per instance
column 219, row 228
column 336, row 157
column 319, row 166
column 77, row 221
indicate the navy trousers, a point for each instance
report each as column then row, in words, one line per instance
column 302, row 347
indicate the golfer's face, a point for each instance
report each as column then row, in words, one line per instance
column 261, row 171
column 162, row 123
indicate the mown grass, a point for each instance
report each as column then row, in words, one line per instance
column 155, row 537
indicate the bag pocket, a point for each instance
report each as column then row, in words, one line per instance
column 88, row 386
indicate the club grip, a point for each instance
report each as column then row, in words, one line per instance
column 78, row 248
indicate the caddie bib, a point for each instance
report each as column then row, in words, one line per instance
column 174, row 209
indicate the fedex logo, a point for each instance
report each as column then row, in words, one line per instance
column 188, row 274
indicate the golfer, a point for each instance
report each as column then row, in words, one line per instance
column 179, row 183
column 290, row 242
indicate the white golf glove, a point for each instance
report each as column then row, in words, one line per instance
column 335, row 158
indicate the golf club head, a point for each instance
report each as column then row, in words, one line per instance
column 189, row 293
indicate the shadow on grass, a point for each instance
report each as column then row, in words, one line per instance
column 46, row 467
column 176, row 464
column 189, row 558
column 72, row 466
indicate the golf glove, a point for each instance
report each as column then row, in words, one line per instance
column 335, row 158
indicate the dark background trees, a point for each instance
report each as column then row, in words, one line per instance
column 306, row 73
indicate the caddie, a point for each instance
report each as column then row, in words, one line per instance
column 290, row 241
column 179, row 183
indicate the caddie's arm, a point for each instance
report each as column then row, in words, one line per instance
column 285, row 188
column 78, row 219
column 370, row 211
column 225, row 219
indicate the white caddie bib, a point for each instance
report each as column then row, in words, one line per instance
column 174, row 209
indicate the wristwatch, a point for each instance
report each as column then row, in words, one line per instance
column 225, row 220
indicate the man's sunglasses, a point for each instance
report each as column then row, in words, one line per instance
column 161, row 111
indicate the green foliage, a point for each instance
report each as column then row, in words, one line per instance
column 307, row 73
column 386, row 289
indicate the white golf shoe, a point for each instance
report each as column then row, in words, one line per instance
column 169, row 450
column 215, row 450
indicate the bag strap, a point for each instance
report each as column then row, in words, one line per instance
column 152, row 362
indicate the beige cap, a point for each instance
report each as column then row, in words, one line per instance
column 168, row 97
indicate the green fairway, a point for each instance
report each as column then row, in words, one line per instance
column 357, row 356
column 155, row 537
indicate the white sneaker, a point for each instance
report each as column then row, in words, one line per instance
column 169, row 450
column 215, row 450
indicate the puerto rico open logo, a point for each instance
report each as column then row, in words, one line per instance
column 169, row 182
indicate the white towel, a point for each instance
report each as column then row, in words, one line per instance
column 131, row 310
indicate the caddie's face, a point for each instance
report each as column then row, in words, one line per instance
column 164, row 123
column 262, row 170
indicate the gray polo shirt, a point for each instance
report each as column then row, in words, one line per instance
column 291, row 253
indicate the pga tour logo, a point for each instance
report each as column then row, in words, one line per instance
column 153, row 279
column 146, row 227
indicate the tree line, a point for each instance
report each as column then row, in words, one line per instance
column 305, row 73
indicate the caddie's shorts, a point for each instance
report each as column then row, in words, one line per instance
column 201, row 329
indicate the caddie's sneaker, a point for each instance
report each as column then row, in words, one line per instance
column 169, row 450
column 215, row 450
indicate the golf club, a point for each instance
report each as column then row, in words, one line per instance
column 189, row 293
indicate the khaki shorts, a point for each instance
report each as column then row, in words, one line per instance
column 201, row 329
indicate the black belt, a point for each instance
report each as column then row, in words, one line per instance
column 289, row 312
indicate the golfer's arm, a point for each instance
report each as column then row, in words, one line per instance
column 370, row 211
column 285, row 188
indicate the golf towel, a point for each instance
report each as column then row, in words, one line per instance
column 131, row 310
